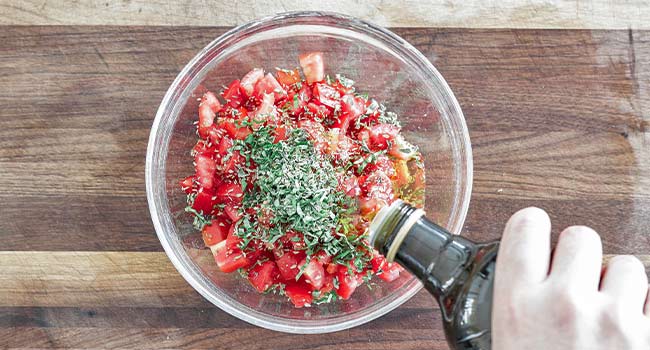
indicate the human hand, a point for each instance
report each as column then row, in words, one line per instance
column 568, row 302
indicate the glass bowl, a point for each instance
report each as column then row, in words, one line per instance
column 383, row 65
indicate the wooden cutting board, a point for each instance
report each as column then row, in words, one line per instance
column 558, row 119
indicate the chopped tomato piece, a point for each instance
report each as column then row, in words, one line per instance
column 233, row 212
column 210, row 99
column 206, row 119
column 288, row 77
column 350, row 185
column 233, row 94
column 347, row 283
column 381, row 135
column 280, row 134
column 328, row 284
column 385, row 270
column 354, row 106
column 323, row 258
column 296, row 240
column 313, row 272
column 215, row 134
column 266, row 110
column 231, row 163
column 288, row 264
column 223, row 148
column 312, row 66
column 250, row 79
column 299, row 293
column 326, row 95
column 269, row 85
column 202, row 147
column 401, row 149
column 205, row 168
column 263, row 276
column 203, row 202
column 229, row 192
column 231, row 259
column 215, row 232
column 187, row 184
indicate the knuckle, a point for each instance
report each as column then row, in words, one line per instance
column 567, row 307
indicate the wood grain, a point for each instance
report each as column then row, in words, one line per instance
column 558, row 118
column 575, row 144
column 575, row 14
column 110, row 279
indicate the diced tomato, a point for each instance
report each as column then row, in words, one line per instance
column 210, row 99
column 350, row 185
column 296, row 240
column 313, row 272
column 216, row 232
column 269, row 85
column 288, row 265
column 343, row 90
column 328, row 284
column 205, row 168
column 318, row 111
column 354, row 106
column 250, row 79
column 390, row 272
column 288, row 77
column 233, row 94
column 347, row 283
column 202, row 147
column 187, row 184
column 263, row 276
column 377, row 185
column 233, row 212
column 316, row 132
column 331, row 268
column 381, row 163
column 401, row 149
column 232, row 240
column 266, row 110
column 231, row 259
column 381, row 135
column 299, row 293
column 231, row 164
column 229, row 192
column 243, row 132
column 351, row 108
column 297, row 101
column 203, row 202
column 326, row 95
column 323, row 258
column 206, row 119
column 280, row 134
column 224, row 147
column 312, row 66
column 215, row 134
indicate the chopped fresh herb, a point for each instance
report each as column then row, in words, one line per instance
column 348, row 83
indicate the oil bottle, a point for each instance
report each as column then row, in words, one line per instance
column 459, row 273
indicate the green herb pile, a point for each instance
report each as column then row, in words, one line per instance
column 295, row 188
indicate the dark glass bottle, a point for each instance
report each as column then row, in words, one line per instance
column 459, row 273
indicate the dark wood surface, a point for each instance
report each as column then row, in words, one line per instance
column 558, row 118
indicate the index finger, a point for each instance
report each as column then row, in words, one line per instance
column 525, row 250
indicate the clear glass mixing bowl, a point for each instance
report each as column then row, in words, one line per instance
column 383, row 65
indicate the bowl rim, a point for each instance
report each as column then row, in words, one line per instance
column 463, row 193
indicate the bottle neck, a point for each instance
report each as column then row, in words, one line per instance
column 436, row 257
